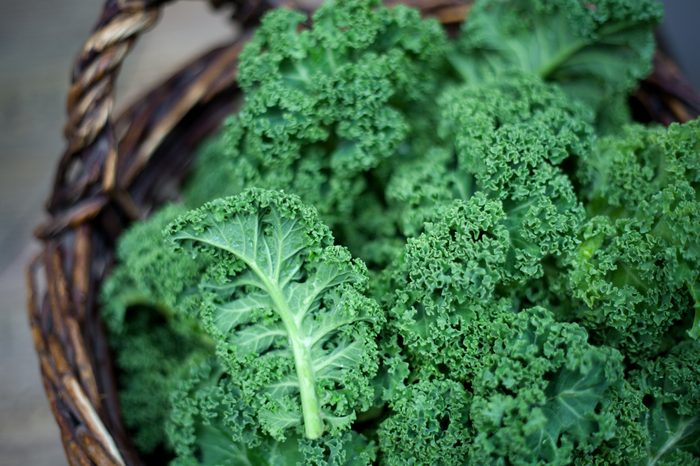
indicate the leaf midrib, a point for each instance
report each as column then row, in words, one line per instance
column 311, row 413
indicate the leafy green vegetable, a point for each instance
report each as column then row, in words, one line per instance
column 638, row 268
column 508, row 150
column 150, row 331
column 152, row 275
column 150, row 356
column 673, row 384
column 324, row 105
column 211, row 425
column 438, row 431
column 286, row 309
column 409, row 249
column 594, row 50
column 535, row 383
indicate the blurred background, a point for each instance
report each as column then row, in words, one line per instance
column 38, row 40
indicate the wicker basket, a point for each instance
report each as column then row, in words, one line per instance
column 116, row 170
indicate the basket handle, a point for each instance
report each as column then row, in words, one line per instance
column 85, row 177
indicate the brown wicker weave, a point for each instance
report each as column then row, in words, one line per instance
column 114, row 171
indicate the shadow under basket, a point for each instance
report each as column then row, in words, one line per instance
column 116, row 170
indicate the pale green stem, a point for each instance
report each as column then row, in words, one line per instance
column 310, row 409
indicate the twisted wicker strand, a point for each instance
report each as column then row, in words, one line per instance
column 90, row 101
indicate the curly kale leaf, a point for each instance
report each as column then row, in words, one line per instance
column 656, row 412
column 594, row 50
column 209, row 421
column 464, row 265
column 149, row 356
column 674, row 379
column 535, row 390
column 674, row 438
column 447, row 277
column 536, row 384
column 147, row 307
column 149, row 273
column 211, row 425
column 671, row 384
column 625, row 287
column 541, row 391
column 637, row 271
column 506, row 140
column 325, row 104
column 346, row 449
column 286, row 308
column 429, row 425
column 473, row 114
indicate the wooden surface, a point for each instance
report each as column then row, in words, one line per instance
column 38, row 40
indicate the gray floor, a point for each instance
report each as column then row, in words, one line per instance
column 38, row 38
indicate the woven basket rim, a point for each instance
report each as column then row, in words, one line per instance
column 106, row 179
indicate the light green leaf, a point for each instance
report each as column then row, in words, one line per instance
column 286, row 308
